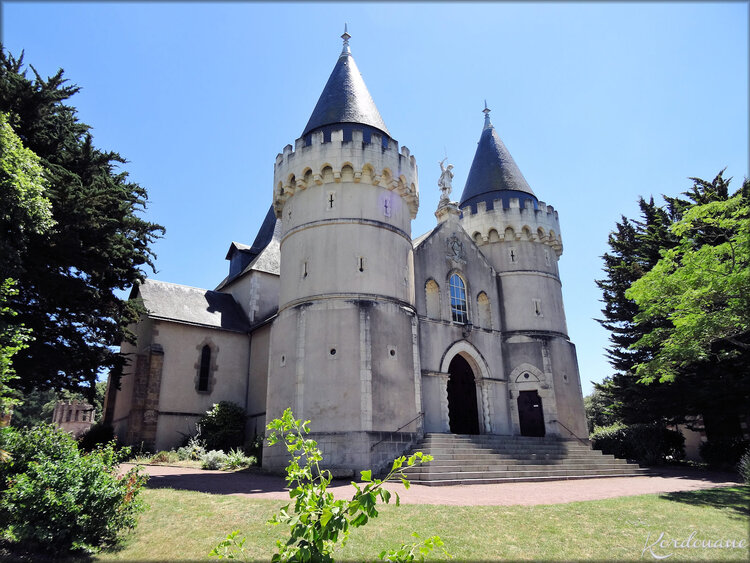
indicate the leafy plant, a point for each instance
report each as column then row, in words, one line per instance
column 317, row 522
column 55, row 498
column 223, row 427
column 237, row 459
column 410, row 552
column 165, row 457
column 99, row 434
column 215, row 459
column 231, row 547
column 194, row 450
column 723, row 452
column 649, row 444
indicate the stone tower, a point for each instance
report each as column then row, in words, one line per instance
column 343, row 348
column 520, row 237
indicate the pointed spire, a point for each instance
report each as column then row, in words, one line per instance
column 486, row 111
column 346, row 37
column 493, row 173
column 345, row 98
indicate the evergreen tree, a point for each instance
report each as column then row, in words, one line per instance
column 713, row 385
column 67, row 276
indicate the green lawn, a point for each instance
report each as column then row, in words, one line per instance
column 186, row 525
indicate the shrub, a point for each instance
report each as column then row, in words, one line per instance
column 194, row 450
column 223, row 427
column 215, row 459
column 648, row 444
column 744, row 467
column 165, row 457
column 237, row 459
column 55, row 498
column 723, row 452
column 98, row 435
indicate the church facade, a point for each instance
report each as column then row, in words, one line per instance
column 336, row 311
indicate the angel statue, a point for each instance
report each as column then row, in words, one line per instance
column 445, row 180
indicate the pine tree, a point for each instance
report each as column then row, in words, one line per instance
column 67, row 276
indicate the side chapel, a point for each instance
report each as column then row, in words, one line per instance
column 336, row 311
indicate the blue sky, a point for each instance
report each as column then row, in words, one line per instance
column 597, row 102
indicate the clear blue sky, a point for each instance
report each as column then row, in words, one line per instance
column 597, row 102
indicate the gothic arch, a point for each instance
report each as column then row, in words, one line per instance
column 481, row 372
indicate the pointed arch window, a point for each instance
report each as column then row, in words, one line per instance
column 204, row 371
column 459, row 310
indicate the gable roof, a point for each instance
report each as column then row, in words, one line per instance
column 191, row 305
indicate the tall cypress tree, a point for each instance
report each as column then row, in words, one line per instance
column 67, row 276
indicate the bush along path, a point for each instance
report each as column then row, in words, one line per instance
column 318, row 523
column 56, row 499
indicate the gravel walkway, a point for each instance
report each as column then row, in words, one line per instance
column 256, row 484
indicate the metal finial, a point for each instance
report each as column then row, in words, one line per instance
column 486, row 112
column 346, row 38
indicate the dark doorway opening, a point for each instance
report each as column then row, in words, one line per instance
column 462, row 398
column 530, row 413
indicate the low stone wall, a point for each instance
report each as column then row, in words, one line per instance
column 345, row 454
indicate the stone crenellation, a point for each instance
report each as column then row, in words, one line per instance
column 379, row 162
column 515, row 222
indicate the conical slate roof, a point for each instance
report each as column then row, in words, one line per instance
column 345, row 98
column 493, row 172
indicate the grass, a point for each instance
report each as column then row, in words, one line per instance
column 184, row 525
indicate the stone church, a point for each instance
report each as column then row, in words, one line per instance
column 336, row 311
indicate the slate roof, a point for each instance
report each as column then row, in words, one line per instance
column 345, row 99
column 191, row 305
column 493, row 173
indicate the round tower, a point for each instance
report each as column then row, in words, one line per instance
column 520, row 236
column 343, row 346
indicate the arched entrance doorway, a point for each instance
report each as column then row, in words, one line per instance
column 530, row 413
column 462, row 398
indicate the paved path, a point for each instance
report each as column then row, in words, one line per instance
column 255, row 484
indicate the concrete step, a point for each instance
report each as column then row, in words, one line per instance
column 466, row 459
column 462, row 475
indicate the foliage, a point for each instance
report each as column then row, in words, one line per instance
column 67, row 275
column 214, row 459
column 648, row 444
column 743, row 467
column 236, row 459
column 678, row 344
column 23, row 199
column 13, row 338
column 223, row 427
column 231, row 547
column 723, row 452
column 410, row 552
column 55, row 498
column 165, row 457
column 702, row 286
column 318, row 523
column 194, row 450
column 98, row 435
column 597, row 411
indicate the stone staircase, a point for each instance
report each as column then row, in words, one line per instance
column 483, row 459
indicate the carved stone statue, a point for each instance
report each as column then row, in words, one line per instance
column 446, row 179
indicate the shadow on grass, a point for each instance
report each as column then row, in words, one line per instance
column 19, row 552
column 737, row 499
